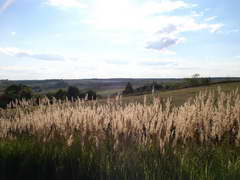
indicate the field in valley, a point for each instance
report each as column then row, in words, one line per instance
column 190, row 133
column 180, row 96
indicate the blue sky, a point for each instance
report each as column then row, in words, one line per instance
column 65, row 39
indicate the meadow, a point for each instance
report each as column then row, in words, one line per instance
column 191, row 133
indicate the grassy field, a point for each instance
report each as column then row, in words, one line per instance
column 123, row 139
column 98, row 85
column 180, row 96
column 106, row 93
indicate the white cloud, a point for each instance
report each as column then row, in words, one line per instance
column 210, row 18
column 169, row 33
column 215, row 27
column 188, row 23
column 197, row 14
column 170, row 28
column 66, row 3
column 29, row 54
column 149, row 19
column 164, row 43
column 151, row 7
column 6, row 5
column 124, row 14
column 91, row 66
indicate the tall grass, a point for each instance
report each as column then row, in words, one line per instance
column 79, row 140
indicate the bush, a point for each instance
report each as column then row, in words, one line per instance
column 128, row 89
column 91, row 95
column 73, row 92
column 61, row 94
column 15, row 92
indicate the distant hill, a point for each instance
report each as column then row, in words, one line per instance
column 180, row 96
column 102, row 86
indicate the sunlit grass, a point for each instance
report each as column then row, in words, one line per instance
column 114, row 140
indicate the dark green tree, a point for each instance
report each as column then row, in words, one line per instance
column 91, row 95
column 73, row 92
column 16, row 91
column 61, row 94
column 128, row 89
column 205, row 81
column 196, row 80
column 193, row 81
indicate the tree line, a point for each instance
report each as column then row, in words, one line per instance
column 193, row 81
column 20, row 92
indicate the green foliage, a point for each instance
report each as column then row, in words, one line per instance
column 14, row 92
column 128, row 89
column 91, row 95
column 61, row 94
column 196, row 80
column 27, row 158
column 18, row 92
column 73, row 92
column 149, row 88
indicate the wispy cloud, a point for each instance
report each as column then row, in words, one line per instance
column 160, row 29
column 66, row 3
column 164, row 43
column 124, row 14
column 150, row 8
column 170, row 28
column 6, row 4
column 169, row 34
column 197, row 14
column 28, row 54
column 210, row 18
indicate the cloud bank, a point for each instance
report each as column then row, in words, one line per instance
column 28, row 54
column 157, row 21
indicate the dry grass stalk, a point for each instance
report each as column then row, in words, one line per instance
column 207, row 119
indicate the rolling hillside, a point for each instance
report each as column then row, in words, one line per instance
column 180, row 96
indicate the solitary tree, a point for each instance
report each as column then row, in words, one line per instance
column 73, row 92
column 128, row 89
column 194, row 80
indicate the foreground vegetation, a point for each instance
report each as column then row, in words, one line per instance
column 180, row 96
column 156, row 140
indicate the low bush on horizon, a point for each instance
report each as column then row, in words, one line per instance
column 157, row 140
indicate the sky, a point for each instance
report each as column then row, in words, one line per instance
column 79, row 39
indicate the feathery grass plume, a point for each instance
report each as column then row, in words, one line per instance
column 209, row 118
column 108, row 131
